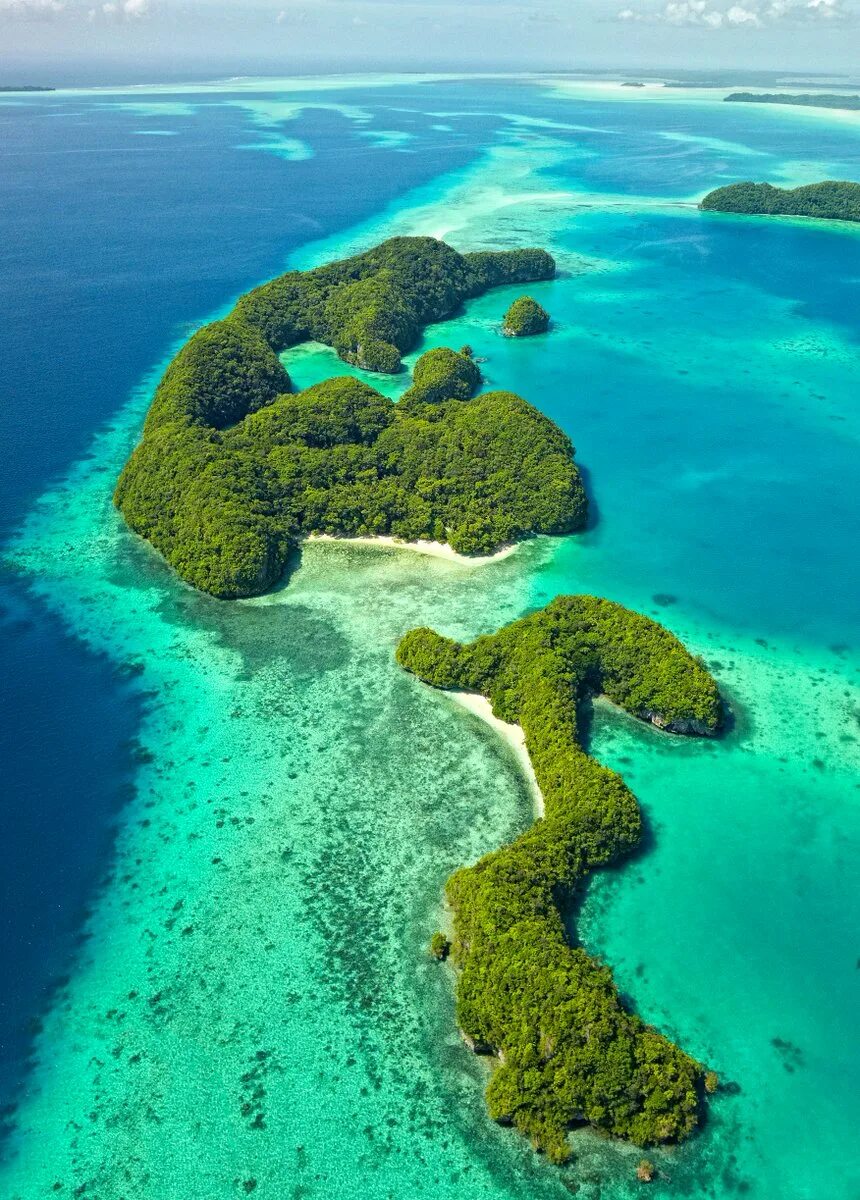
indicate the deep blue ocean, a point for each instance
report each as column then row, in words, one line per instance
column 117, row 240
column 705, row 367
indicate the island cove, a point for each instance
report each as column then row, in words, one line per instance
column 234, row 470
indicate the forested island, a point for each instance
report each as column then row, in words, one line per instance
column 803, row 99
column 234, row 469
column 569, row 1050
column 832, row 200
column 26, row 87
column 525, row 318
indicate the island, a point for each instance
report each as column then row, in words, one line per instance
column 803, row 100
column 234, row 469
column 26, row 87
column 442, row 374
column 569, row 1050
column 832, row 200
column 525, row 318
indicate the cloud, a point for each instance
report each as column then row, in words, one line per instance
column 742, row 16
column 298, row 14
column 122, row 10
column 752, row 14
column 32, row 10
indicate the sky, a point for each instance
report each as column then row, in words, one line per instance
column 53, row 40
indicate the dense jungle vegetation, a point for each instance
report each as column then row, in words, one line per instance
column 234, row 468
column 569, row 1050
column 525, row 318
column 833, row 200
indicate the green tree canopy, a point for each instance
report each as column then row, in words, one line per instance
column 233, row 469
column 525, row 318
column 570, row 1050
column 833, row 200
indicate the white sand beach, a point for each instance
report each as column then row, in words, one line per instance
column 433, row 549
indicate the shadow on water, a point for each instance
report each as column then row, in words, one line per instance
column 593, row 519
column 262, row 635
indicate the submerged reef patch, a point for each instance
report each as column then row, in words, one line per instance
column 233, row 470
column 569, row 1050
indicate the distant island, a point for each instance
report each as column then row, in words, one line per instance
column 570, row 1052
column 832, row 200
column 234, row 469
column 804, row 100
column 27, row 87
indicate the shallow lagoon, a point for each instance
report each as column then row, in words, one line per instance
column 252, row 1009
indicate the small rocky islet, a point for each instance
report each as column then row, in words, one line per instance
column 525, row 318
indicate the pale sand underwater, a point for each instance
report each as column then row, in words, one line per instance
column 512, row 735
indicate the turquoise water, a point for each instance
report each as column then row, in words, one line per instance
column 252, row 1009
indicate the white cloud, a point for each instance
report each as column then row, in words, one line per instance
column 752, row 14
column 32, row 10
column 122, row 10
column 742, row 16
column 298, row 14
column 688, row 12
column 677, row 12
